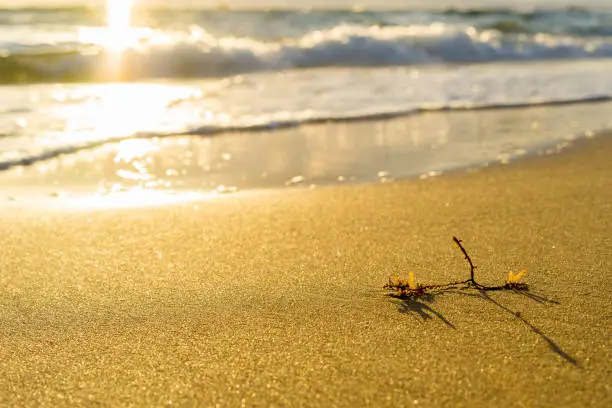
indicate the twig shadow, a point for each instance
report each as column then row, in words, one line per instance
column 482, row 294
column 419, row 306
column 537, row 297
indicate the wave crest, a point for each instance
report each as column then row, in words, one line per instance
column 201, row 54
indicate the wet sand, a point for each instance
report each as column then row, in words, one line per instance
column 274, row 298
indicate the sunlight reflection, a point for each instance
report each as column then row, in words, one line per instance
column 118, row 22
column 120, row 110
column 118, row 34
column 134, row 160
column 130, row 150
column 118, row 15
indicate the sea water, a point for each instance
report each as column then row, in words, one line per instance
column 203, row 80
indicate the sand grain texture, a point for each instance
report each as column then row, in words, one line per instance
column 274, row 298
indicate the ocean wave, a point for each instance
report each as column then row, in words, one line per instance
column 200, row 54
column 28, row 159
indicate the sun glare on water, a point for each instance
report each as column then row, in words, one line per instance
column 118, row 22
column 117, row 34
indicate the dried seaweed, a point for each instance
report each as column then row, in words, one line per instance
column 407, row 288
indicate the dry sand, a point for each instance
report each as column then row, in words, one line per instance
column 274, row 298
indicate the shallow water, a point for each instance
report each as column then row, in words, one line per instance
column 420, row 146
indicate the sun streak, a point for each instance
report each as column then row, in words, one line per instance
column 118, row 22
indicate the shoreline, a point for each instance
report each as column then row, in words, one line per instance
column 309, row 156
column 276, row 299
column 70, row 197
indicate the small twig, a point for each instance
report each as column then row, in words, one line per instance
column 467, row 257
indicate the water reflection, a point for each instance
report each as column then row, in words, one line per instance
column 422, row 146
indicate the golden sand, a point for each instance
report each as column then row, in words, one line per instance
column 274, row 298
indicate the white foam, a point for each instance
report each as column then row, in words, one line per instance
column 199, row 53
column 62, row 119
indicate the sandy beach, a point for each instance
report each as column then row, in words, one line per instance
column 274, row 297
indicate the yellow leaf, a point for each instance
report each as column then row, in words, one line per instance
column 512, row 278
column 411, row 284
